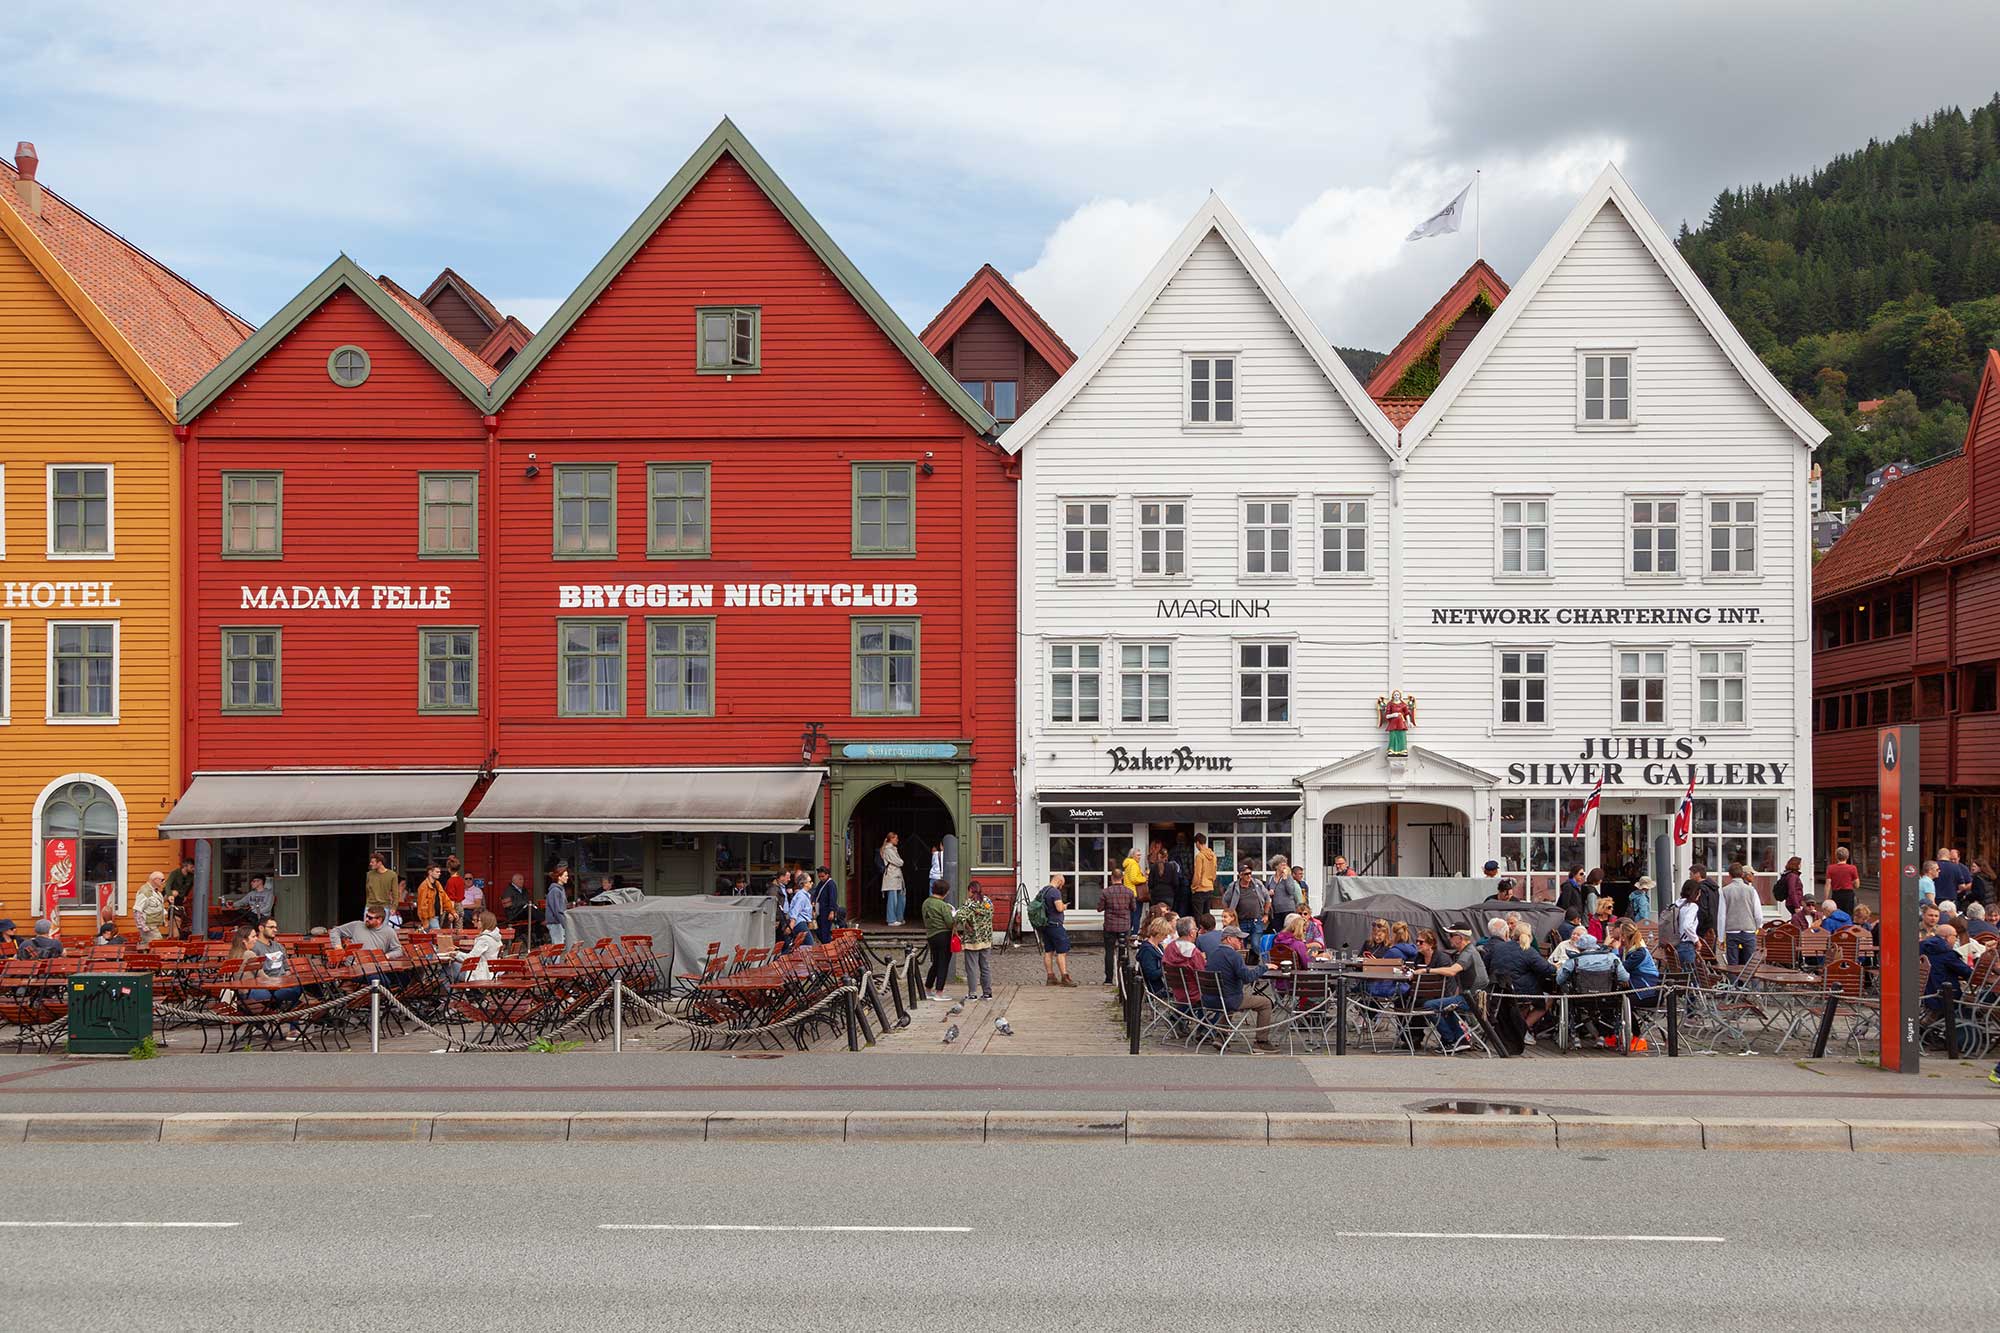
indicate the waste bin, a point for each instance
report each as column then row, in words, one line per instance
column 109, row 1012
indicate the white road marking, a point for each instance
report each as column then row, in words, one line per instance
column 122, row 1224
column 717, row 1226
column 1517, row 1235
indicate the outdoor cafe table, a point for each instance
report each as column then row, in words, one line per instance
column 503, row 1004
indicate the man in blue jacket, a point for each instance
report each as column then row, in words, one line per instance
column 1225, row 962
column 1947, row 968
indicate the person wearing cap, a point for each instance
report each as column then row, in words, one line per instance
column 1465, row 978
column 149, row 909
column 826, row 907
column 1491, row 870
column 8, row 941
column 1225, row 959
column 372, row 931
column 44, row 944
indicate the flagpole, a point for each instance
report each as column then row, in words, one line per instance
column 1478, row 220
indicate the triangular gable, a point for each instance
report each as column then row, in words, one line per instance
column 989, row 286
column 727, row 139
column 1610, row 187
column 511, row 336
column 1981, row 434
column 1477, row 281
column 1367, row 767
column 1213, row 216
column 342, row 272
column 472, row 296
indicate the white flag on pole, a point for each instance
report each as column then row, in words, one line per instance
column 1443, row 222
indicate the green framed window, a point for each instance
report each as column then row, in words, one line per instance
column 448, row 669
column 348, row 366
column 448, row 513
column 885, row 509
column 252, row 669
column 728, row 340
column 993, row 844
column 83, row 671
column 253, row 515
column 886, row 666
column 680, row 667
column 80, row 510
column 593, row 668
column 677, row 520
column 586, row 511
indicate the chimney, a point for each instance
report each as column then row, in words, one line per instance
column 25, row 162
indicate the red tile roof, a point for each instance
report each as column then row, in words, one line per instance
column 987, row 285
column 176, row 328
column 460, row 353
column 1399, row 410
column 1479, row 280
column 1868, row 405
column 1914, row 521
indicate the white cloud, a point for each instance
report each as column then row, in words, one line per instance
column 1093, row 259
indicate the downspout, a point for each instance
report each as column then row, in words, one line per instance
column 489, row 653
column 195, row 911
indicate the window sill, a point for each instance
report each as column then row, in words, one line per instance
column 253, row 712
column 584, row 555
column 1362, row 576
column 1653, row 580
column 1265, row 580
column 1607, row 425
column 1163, row 580
column 1211, row 427
column 81, row 721
column 680, row 555
column 726, row 371
column 1085, row 580
column 882, row 555
column 447, row 555
column 1713, row 577
column 1501, row 577
column 253, row 555
column 1521, row 729
column 1268, row 728
column 81, row 555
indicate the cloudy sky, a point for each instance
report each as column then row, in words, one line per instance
column 1066, row 143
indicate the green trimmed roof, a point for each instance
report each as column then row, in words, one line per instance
column 342, row 272
column 726, row 138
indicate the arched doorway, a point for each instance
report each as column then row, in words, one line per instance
column 924, row 823
column 79, row 840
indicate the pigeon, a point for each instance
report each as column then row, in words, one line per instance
column 951, row 1034
column 955, row 1009
column 1003, row 1027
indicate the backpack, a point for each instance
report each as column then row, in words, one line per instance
column 881, row 866
column 1038, row 911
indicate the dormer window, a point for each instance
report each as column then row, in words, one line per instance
column 726, row 340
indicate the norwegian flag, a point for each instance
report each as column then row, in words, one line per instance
column 1595, row 799
column 1684, row 815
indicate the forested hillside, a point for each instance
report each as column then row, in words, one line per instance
column 1877, row 277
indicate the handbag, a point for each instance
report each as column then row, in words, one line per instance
column 957, row 942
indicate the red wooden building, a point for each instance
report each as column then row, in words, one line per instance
column 715, row 577
column 1906, row 626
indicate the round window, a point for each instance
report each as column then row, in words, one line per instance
column 348, row 366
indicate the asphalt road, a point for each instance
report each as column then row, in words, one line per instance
column 1058, row 1237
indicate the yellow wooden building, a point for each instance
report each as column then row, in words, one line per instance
column 97, row 340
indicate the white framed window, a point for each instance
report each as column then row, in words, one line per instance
column 1163, row 539
column 80, row 511
column 1722, row 687
column 6, row 672
column 1211, row 397
column 1086, row 539
column 1267, row 539
column 1732, row 534
column 83, row 671
column 1263, row 683
column 1081, row 854
column 1728, row 829
column 1145, row 683
column 1535, row 839
column 1604, row 387
column 1076, row 682
column 3, row 511
column 1343, row 535
column 1523, row 552
column 1524, row 687
column 1653, row 523
column 1642, row 687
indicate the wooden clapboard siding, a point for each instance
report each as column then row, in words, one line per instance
column 64, row 398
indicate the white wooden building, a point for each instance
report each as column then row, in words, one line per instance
column 1585, row 556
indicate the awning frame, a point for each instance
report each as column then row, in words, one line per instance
column 476, row 822
column 269, row 827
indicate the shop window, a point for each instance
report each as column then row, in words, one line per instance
column 1080, row 853
column 678, row 519
column 80, row 847
column 884, row 509
column 593, row 668
column 994, row 844
column 80, row 511
column 761, row 856
column 238, row 860
column 1250, row 842
column 449, row 522
column 1729, row 829
column 728, row 338
column 251, row 669
column 1977, row 689
column 449, row 670
column 1902, row 703
column 253, row 514
column 1536, row 839
column 886, row 660
column 288, row 857
column 592, row 857
column 586, row 511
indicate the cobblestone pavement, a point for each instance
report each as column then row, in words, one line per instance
column 1046, row 1020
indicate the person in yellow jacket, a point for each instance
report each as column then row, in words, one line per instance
column 1203, row 890
column 1135, row 873
column 431, row 898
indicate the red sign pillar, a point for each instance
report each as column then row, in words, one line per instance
column 1900, row 856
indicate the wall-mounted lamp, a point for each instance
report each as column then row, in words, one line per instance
column 927, row 469
column 531, row 472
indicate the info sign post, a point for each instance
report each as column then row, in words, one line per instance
column 1900, row 857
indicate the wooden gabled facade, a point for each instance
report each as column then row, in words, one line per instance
column 997, row 346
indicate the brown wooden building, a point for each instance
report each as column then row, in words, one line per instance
column 1906, row 628
column 997, row 346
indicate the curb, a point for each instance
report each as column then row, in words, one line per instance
column 1318, row 1129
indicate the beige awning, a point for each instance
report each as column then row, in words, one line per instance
column 309, row 802
column 647, row 800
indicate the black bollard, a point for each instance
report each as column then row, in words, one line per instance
column 1825, row 1027
column 1340, row 1013
column 1133, row 985
column 853, row 1037
column 1672, row 1001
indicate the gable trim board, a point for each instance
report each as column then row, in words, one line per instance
column 1213, row 216
column 1611, row 188
column 71, row 293
column 986, row 286
column 727, row 139
column 342, row 272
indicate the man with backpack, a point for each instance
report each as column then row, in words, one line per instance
column 1045, row 914
column 889, row 862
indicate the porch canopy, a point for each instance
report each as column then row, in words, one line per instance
column 311, row 802
column 647, row 800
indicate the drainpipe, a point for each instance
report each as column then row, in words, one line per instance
column 489, row 653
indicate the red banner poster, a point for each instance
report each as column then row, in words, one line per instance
column 59, row 869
